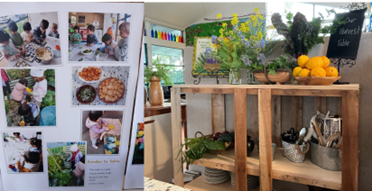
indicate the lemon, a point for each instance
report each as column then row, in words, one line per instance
column 314, row 62
column 304, row 73
column 318, row 72
column 331, row 71
column 326, row 62
column 302, row 60
column 296, row 71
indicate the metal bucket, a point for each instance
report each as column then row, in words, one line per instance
column 292, row 153
column 324, row 157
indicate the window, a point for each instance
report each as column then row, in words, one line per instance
column 73, row 20
column 171, row 57
column 310, row 11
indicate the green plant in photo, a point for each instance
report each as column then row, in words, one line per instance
column 50, row 76
column 159, row 70
column 49, row 99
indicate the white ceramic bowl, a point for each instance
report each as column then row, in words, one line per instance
column 86, row 54
column 81, row 69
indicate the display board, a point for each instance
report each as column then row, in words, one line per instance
column 77, row 134
column 344, row 43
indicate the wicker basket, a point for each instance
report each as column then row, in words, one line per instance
column 227, row 145
column 295, row 153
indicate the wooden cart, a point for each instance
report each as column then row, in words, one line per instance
column 260, row 164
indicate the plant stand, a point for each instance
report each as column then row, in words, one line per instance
column 261, row 164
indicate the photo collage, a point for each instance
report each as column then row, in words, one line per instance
column 68, row 85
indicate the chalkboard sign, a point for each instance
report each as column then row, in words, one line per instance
column 345, row 42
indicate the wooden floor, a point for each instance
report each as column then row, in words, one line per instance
column 283, row 169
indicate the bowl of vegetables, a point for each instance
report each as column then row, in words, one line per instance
column 86, row 94
column 86, row 51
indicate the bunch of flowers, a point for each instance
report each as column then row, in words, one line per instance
column 241, row 45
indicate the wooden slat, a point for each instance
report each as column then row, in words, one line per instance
column 218, row 112
column 296, row 113
column 350, row 150
column 283, row 169
column 250, row 91
column 264, row 124
column 176, row 136
column 277, row 120
column 240, row 119
column 320, row 104
column 253, row 127
column 282, row 87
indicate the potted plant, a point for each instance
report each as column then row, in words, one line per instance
column 154, row 75
column 240, row 44
column 278, row 71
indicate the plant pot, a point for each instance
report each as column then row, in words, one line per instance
column 156, row 96
column 279, row 78
column 234, row 77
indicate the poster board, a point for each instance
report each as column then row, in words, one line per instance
column 102, row 171
column 344, row 43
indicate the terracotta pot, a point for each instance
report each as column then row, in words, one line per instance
column 279, row 78
column 156, row 96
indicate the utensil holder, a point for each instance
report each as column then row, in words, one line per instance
column 295, row 153
column 325, row 157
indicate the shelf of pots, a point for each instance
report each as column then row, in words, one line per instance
column 154, row 75
column 202, row 152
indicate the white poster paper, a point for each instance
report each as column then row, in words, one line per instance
column 102, row 171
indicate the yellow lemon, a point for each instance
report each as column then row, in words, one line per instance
column 326, row 62
column 318, row 72
column 302, row 60
column 314, row 62
column 296, row 71
column 111, row 127
column 304, row 73
column 331, row 71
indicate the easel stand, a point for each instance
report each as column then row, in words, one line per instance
column 339, row 71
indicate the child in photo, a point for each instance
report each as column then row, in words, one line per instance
column 54, row 31
column 27, row 34
column 121, row 49
column 14, row 35
column 31, row 162
column 75, row 37
column 79, row 170
column 18, row 137
column 35, row 145
column 7, row 47
column 109, row 47
column 40, row 86
column 91, row 38
column 39, row 32
column 29, row 111
column 96, row 126
column 19, row 90
column 75, row 156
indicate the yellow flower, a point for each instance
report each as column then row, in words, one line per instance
column 231, row 33
column 219, row 15
column 221, row 31
column 256, row 10
column 261, row 17
column 235, row 15
column 224, row 25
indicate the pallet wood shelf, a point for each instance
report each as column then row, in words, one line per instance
column 281, row 169
column 199, row 185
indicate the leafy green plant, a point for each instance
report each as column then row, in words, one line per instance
column 280, row 63
column 197, row 147
column 158, row 70
column 58, row 174
column 49, row 99
column 15, row 74
column 50, row 76
column 6, row 106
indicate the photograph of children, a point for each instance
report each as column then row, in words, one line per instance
column 29, row 97
column 66, row 163
column 98, row 36
column 23, row 151
column 138, row 156
column 99, row 85
column 30, row 39
column 101, row 130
